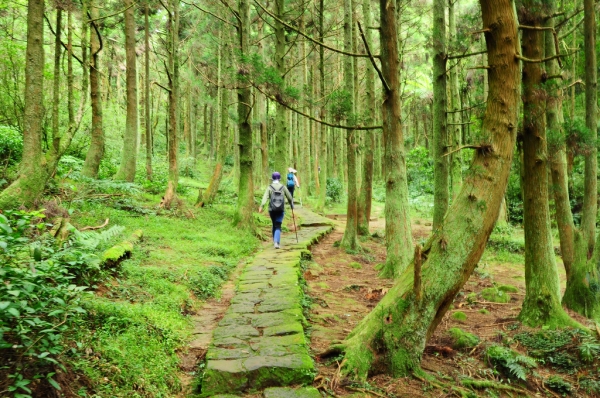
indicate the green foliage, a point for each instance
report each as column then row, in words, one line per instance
column 334, row 190
column 355, row 265
column 39, row 300
column 509, row 362
column 558, row 384
column 419, row 170
column 206, row 281
column 340, row 105
column 11, row 146
column 459, row 316
column 564, row 349
column 508, row 289
column 590, row 386
column 462, row 339
column 495, row 295
column 514, row 199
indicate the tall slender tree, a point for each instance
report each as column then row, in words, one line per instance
column 130, row 138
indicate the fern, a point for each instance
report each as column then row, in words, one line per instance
column 510, row 362
column 90, row 240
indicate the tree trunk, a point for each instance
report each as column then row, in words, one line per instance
column 399, row 326
column 323, row 155
column 215, row 181
column 126, row 170
column 280, row 162
column 96, row 150
column 366, row 190
column 148, row 123
column 56, row 87
column 350, row 239
column 398, row 238
column 440, row 135
column 26, row 189
column 455, row 130
column 173, row 71
column 244, row 217
column 542, row 297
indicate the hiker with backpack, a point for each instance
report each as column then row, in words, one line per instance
column 275, row 193
column 292, row 181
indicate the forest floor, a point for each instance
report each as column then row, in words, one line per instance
column 345, row 287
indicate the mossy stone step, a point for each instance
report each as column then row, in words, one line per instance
column 260, row 341
column 286, row 392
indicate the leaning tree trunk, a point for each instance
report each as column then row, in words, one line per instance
column 399, row 326
column 350, row 238
column 366, row 190
column 29, row 186
column 130, row 138
column 244, row 217
column 542, row 296
column 96, row 150
column 173, row 66
column 440, row 135
column 398, row 238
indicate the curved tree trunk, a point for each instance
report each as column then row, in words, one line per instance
column 407, row 316
column 130, row 138
column 32, row 176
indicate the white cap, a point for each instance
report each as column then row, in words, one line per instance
column 291, row 170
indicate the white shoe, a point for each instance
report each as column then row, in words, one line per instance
column 276, row 245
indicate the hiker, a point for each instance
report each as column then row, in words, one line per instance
column 275, row 193
column 292, row 181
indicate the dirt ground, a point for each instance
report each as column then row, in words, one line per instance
column 345, row 287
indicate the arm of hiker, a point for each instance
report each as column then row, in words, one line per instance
column 264, row 200
column 296, row 181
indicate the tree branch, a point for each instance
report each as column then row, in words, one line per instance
column 383, row 81
column 466, row 55
column 61, row 42
column 310, row 38
column 161, row 86
column 210, row 13
column 111, row 15
column 535, row 61
column 466, row 109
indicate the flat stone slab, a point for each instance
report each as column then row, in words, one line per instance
column 286, row 392
column 260, row 341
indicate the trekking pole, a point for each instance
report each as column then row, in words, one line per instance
column 295, row 228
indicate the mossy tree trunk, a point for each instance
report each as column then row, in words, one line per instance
column 350, row 239
column 590, row 190
column 147, row 121
column 56, row 80
column 398, row 238
column 173, row 72
column 454, row 106
column 366, row 189
column 127, row 167
column 95, row 152
column 399, row 326
column 440, row 134
column 280, row 162
column 27, row 188
column 323, row 158
column 244, row 217
column 542, row 297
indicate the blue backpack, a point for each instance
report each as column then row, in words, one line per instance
column 290, row 180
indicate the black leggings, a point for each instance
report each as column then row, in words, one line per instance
column 291, row 189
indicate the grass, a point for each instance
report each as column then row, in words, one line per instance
column 139, row 320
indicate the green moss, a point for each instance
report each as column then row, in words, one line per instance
column 484, row 311
column 355, row 265
column 471, row 298
column 495, row 295
column 462, row 339
column 508, row 289
column 459, row 316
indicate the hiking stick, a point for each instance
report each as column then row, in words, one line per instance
column 295, row 228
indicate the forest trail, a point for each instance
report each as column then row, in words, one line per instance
column 260, row 341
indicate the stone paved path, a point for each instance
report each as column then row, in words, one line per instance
column 260, row 340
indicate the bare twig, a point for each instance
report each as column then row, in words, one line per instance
column 104, row 224
column 383, row 81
